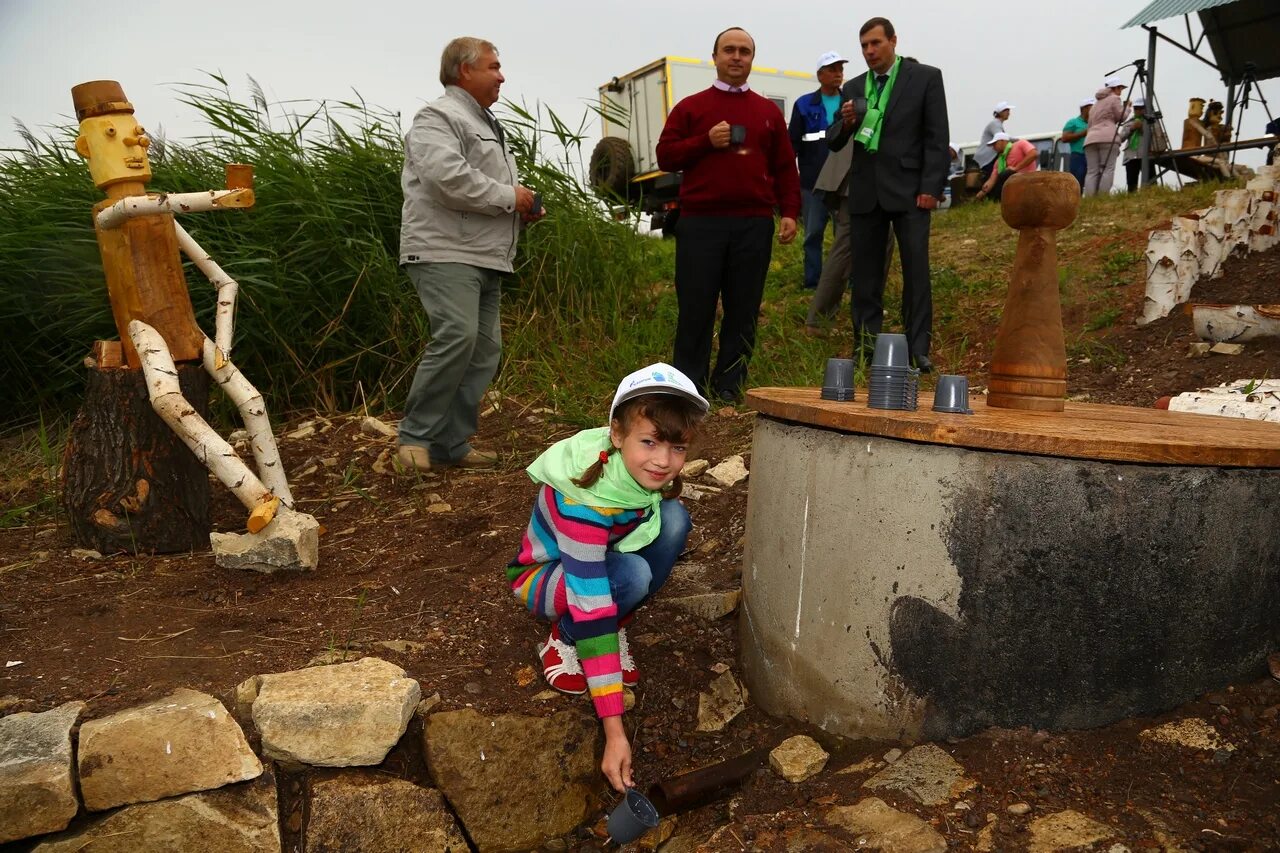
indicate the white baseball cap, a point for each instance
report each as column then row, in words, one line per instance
column 657, row 378
column 829, row 58
column 1139, row 102
column 1002, row 106
column 1087, row 102
column 1113, row 81
column 999, row 136
column 954, row 146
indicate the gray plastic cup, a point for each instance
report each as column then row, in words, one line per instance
column 632, row 817
column 837, row 380
column 891, row 351
column 952, row 395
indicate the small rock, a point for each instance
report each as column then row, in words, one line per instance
column 730, row 472
column 304, row 431
column 708, row 606
column 238, row 435
column 439, row 508
column 718, row 707
column 694, row 468
column 1198, row 349
column 1019, row 809
column 892, row 755
column 85, row 554
column 927, row 774
column 798, row 758
column 472, row 687
column 1223, row 348
column 1192, row 732
column 1066, row 830
column 867, row 764
column 425, row 706
column 878, row 826
column 382, row 465
column 546, row 695
column 291, row 542
column 374, row 426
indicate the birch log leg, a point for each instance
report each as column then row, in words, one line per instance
column 129, row 484
column 254, row 413
column 209, row 447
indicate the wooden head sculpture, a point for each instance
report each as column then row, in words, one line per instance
column 1029, row 364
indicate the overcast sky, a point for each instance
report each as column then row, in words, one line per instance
column 1043, row 58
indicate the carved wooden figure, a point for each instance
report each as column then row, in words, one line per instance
column 140, row 241
column 1029, row 364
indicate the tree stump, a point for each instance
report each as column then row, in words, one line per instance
column 129, row 483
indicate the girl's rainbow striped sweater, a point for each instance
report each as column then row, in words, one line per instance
column 560, row 569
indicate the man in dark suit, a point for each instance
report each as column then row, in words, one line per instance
column 895, row 115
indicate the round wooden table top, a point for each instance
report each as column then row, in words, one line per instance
column 1081, row 431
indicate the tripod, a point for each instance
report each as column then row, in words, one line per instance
column 1248, row 81
column 1152, row 117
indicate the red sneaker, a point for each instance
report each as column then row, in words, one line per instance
column 560, row 665
column 630, row 675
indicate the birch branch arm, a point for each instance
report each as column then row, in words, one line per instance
column 253, row 412
column 166, row 398
column 199, row 202
column 227, row 287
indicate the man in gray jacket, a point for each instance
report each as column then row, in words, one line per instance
column 463, row 210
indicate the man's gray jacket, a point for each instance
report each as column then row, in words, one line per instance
column 459, row 184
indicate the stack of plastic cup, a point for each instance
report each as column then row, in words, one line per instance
column 894, row 384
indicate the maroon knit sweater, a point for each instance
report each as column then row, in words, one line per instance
column 741, row 180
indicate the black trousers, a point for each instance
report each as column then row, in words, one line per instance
column 724, row 259
column 867, row 234
column 1133, row 170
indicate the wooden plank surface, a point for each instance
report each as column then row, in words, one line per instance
column 1082, row 431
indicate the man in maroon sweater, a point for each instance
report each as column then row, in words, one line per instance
column 733, row 148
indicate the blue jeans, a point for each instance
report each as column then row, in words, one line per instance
column 635, row 577
column 1079, row 164
column 814, row 212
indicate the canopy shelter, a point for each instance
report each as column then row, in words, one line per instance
column 1241, row 36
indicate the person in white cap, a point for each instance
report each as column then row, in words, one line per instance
column 957, row 159
column 1012, row 156
column 606, row 529
column 811, row 115
column 1102, row 141
column 1073, row 133
column 985, row 156
column 1132, row 131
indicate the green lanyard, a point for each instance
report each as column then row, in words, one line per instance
column 877, row 101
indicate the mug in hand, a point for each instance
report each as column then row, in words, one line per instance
column 737, row 134
column 859, row 106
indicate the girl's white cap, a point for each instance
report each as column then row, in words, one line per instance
column 657, row 378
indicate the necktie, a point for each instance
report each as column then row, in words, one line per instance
column 881, row 79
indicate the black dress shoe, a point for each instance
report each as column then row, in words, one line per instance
column 923, row 364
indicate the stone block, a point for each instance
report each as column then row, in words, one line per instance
column 718, row 706
column 708, row 606
column 237, row 819
column 342, row 715
column 360, row 810
column 37, row 793
column 926, row 773
column 182, row 743
column 514, row 781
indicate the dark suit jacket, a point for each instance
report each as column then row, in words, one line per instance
column 913, row 158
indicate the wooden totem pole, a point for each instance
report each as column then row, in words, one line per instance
column 130, row 484
column 1029, row 364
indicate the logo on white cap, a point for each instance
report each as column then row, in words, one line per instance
column 1002, row 106
column 657, row 378
column 829, row 58
column 1113, row 81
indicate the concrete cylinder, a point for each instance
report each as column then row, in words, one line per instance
column 894, row 588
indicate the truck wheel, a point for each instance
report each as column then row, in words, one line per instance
column 612, row 167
